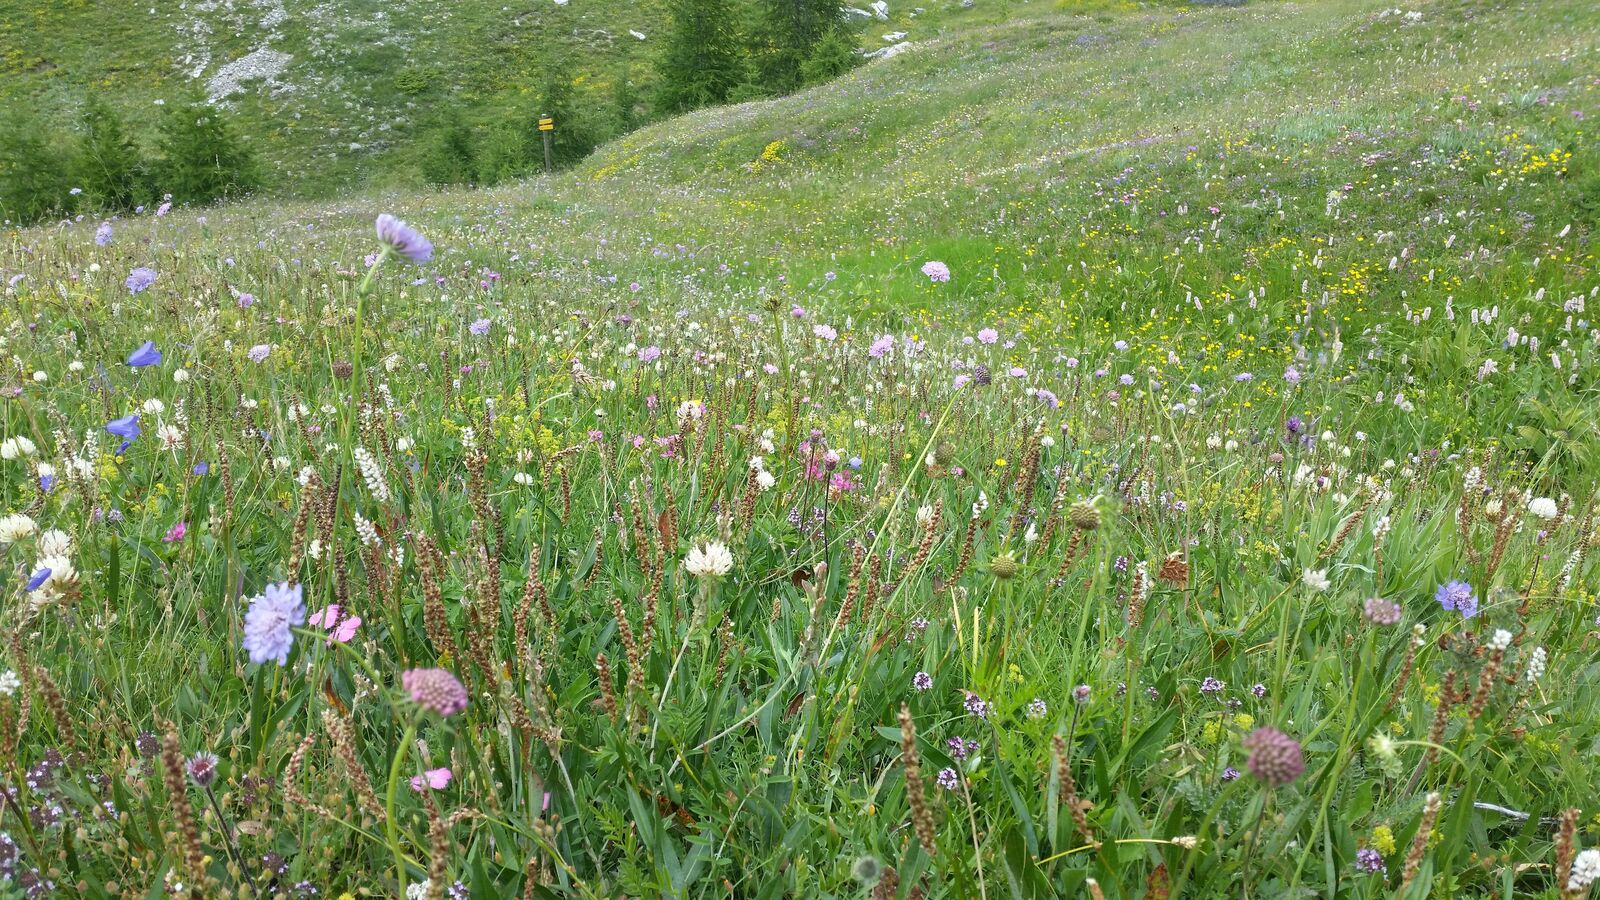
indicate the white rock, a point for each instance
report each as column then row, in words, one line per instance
column 892, row 50
column 895, row 37
column 854, row 11
column 636, row 34
column 880, row 8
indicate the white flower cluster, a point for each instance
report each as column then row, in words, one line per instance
column 372, row 474
column 709, row 560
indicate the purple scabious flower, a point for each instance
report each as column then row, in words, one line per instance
column 936, row 271
column 146, row 355
column 479, row 327
column 1458, row 596
column 102, row 235
column 269, row 623
column 140, row 279
column 1212, row 686
column 649, row 354
column 1275, row 758
column 438, row 690
column 1370, row 860
column 260, row 352
column 403, row 239
column 882, row 345
column 922, row 681
column 948, row 779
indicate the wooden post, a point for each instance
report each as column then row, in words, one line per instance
column 546, row 126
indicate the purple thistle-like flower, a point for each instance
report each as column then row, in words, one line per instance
column 948, row 779
column 961, row 748
column 146, row 355
column 269, row 623
column 1275, row 758
column 202, row 768
column 140, row 279
column 438, row 690
column 922, row 681
column 1370, row 860
column 404, row 239
column 1212, row 686
column 976, row 706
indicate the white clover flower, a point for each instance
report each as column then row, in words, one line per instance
column 1543, row 507
column 9, row 682
column 1500, row 640
column 179, row 376
column 765, row 480
column 16, row 527
column 154, row 407
column 171, row 436
column 1585, row 871
column 710, row 560
column 55, row 542
column 522, row 478
column 1316, row 579
column 61, row 579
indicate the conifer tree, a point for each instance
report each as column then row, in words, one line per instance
column 202, row 158
column 108, row 165
column 701, row 63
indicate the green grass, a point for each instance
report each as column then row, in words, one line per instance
column 1144, row 204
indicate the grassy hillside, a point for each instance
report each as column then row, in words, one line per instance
column 337, row 93
column 771, row 562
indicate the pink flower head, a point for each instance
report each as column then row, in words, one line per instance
column 936, row 271
column 176, row 533
column 988, row 336
column 339, row 629
column 433, row 780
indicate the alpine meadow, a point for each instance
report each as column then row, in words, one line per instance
column 996, row 449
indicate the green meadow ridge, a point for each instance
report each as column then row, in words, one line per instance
column 334, row 94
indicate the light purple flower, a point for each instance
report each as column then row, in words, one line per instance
column 936, row 271
column 649, row 354
column 404, row 239
column 140, row 279
column 102, row 235
column 269, row 623
column 260, row 352
column 988, row 336
column 479, row 327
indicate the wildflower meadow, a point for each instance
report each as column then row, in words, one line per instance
column 1140, row 454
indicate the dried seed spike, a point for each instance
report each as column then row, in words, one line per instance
column 921, row 815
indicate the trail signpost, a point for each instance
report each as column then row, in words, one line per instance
column 547, row 125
